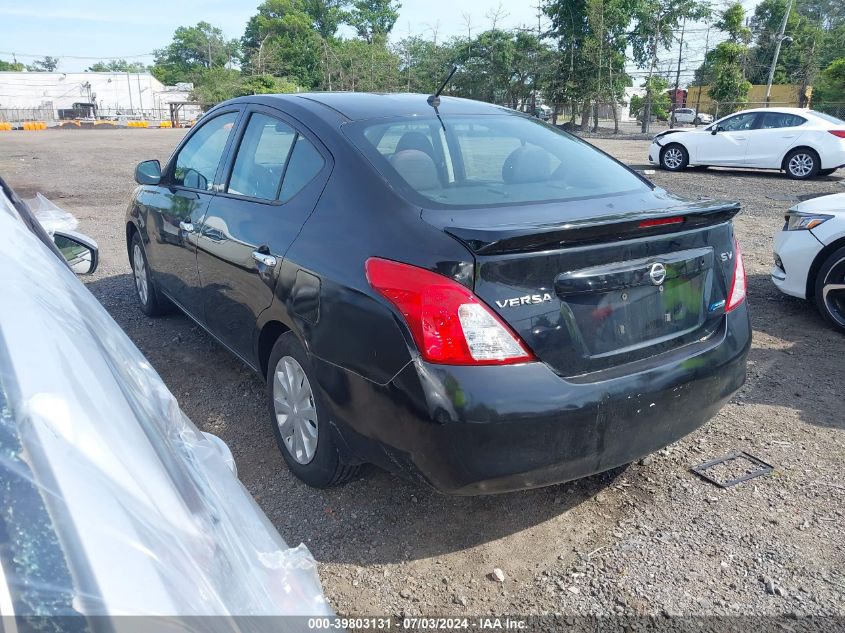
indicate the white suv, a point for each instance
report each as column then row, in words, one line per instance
column 689, row 115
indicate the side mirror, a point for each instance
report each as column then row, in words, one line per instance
column 148, row 172
column 717, row 128
column 80, row 251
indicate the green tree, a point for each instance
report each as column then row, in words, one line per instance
column 373, row 19
column 830, row 88
column 326, row 16
column 45, row 65
column 281, row 40
column 193, row 50
column 11, row 66
column 118, row 65
column 358, row 65
column 729, row 86
column 423, row 64
column 655, row 94
column 655, row 23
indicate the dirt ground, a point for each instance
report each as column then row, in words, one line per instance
column 652, row 539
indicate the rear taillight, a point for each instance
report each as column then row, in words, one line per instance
column 737, row 292
column 450, row 325
column 839, row 133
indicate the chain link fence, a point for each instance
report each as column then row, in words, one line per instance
column 115, row 116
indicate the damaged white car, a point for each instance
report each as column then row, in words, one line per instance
column 111, row 501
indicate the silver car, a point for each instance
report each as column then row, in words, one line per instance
column 111, row 501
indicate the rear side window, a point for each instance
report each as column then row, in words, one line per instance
column 197, row 161
column 471, row 161
column 274, row 161
column 827, row 117
column 780, row 119
column 305, row 163
column 262, row 155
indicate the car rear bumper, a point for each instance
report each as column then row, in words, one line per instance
column 794, row 253
column 835, row 158
column 477, row 430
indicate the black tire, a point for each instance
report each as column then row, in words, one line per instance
column 153, row 303
column 831, row 302
column 697, row 120
column 324, row 468
column 802, row 164
column 827, row 172
column 676, row 155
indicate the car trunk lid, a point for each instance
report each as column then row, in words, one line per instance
column 600, row 290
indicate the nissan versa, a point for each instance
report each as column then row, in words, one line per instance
column 451, row 290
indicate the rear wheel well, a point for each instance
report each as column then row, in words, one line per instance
column 792, row 149
column 267, row 338
column 817, row 264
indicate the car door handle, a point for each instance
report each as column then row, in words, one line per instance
column 264, row 258
column 788, row 136
column 187, row 227
column 739, row 138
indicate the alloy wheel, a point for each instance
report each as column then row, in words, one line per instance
column 296, row 413
column 140, row 272
column 801, row 165
column 673, row 158
column 833, row 292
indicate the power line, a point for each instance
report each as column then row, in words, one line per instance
column 40, row 55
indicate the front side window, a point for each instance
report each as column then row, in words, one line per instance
column 466, row 161
column 780, row 119
column 739, row 122
column 197, row 161
column 261, row 158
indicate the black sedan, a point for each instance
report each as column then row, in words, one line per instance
column 447, row 289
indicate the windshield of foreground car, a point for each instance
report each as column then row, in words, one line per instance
column 485, row 160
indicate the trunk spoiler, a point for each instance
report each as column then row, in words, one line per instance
column 607, row 228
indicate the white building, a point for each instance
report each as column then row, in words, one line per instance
column 138, row 94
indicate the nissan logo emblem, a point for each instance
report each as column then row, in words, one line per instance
column 657, row 273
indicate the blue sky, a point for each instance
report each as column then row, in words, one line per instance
column 109, row 29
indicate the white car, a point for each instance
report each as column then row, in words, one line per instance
column 803, row 143
column 810, row 255
column 689, row 115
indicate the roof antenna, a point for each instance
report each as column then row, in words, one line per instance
column 434, row 100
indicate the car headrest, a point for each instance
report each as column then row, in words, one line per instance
column 415, row 140
column 526, row 164
column 417, row 168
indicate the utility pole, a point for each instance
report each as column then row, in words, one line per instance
column 648, row 96
column 777, row 52
column 677, row 76
column 140, row 98
column 129, row 85
column 704, row 65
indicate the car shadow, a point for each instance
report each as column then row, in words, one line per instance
column 796, row 357
column 375, row 519
column 753, row 174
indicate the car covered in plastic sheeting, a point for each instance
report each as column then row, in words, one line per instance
column 111, row 501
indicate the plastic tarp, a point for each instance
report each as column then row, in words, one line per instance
column 51, row 217
column 111, row 501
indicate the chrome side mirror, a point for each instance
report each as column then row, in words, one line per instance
column 80, row 251
column 148, row 172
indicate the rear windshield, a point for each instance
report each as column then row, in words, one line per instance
column 471, row 161
column 827, row 117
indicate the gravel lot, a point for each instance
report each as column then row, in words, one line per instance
column 651, row 539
